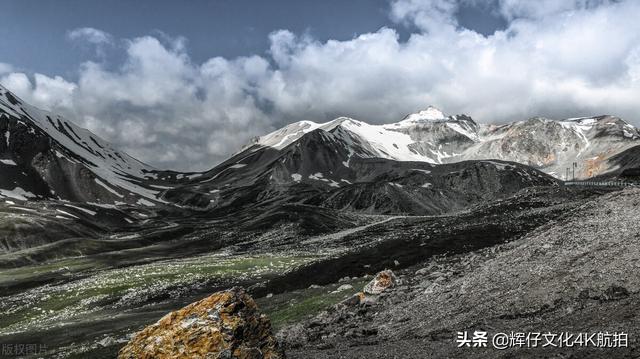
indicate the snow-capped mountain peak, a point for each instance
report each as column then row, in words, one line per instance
column 431, row 113
column 396, row 134
column 431, row 136
column 283, row 137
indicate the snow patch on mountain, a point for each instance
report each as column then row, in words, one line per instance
column 77, row 144
column 431, row 136
column 392, row 141
column 17, row 193
column 108, row 188
column 87, row 211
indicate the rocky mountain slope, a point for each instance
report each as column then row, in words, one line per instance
column 430, row 136
column 321, row 169
column 575, row 274
column 43, row 155
column 626, row 165
column 554, row 146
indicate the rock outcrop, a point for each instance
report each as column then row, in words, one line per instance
column 226, row 324
column 382, row 281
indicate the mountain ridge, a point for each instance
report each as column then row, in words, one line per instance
column 430, row 136
column 46, row 156
column 65, row 161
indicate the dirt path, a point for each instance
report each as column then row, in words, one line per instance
column 346, row 232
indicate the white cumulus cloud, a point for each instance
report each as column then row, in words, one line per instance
column 90, row 35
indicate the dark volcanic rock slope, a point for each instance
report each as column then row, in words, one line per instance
column 626, row 165
column 321, row 169
column 42, row 155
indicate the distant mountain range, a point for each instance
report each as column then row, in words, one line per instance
column 431, row 136
column 427, row 163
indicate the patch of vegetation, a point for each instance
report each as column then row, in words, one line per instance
column 292, row 307
column 69, row 265
column 54, row 304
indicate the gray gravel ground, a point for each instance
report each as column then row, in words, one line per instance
column 575, row 274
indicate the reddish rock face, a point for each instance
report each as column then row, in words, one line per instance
column 226, row 324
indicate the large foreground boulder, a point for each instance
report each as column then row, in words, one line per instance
column 226, row 324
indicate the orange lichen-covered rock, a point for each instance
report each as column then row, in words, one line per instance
column 226, row 324
column 383, row 280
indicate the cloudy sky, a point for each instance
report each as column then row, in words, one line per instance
column 184, row 84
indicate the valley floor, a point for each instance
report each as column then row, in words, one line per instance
column 547, row 259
